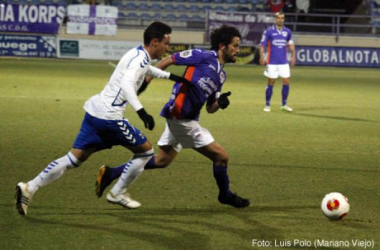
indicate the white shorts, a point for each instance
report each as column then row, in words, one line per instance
column 273, row 71
column 185, row 134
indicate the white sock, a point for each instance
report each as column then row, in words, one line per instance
column 53, row 172
column 132, row 171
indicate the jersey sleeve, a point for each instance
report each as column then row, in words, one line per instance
column 289, row 38
column 129, row 88
column 188, row 57
column 157, row 73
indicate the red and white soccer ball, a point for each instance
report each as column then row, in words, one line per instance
column 335, row 206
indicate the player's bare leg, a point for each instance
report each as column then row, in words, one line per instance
column 165, row 156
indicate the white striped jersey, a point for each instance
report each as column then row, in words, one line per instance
column 122, row 87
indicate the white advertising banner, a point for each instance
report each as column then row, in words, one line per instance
column 92, row 19
column 93, row 49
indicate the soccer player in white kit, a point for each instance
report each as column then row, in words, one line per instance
column 104, row 125
column 278, row 39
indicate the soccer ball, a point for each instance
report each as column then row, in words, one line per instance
column 335, row 206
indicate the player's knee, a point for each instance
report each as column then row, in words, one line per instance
column 73, row 161
column 162, row 162
column 144, row 157
column 221, row 159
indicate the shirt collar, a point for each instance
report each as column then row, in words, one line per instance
column 146, row 52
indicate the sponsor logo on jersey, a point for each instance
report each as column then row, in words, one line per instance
column 279, row 42
column 207, row 85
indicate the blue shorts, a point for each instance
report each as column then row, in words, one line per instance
column 101, row 134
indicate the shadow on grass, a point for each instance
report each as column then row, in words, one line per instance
column 175, row 227
column 308, row 168
column 169, row 228
column 285, row 167
column 178, row 228
column 342, row 118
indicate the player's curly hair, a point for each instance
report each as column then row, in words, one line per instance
column 156, row 30
column 224, row 34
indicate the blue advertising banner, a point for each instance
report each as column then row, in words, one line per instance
column 28, row 46
column 250, row 25
column 44, row 19
column 338, row 56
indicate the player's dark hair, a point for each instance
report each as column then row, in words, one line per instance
column 156, row 30
column 224, row 34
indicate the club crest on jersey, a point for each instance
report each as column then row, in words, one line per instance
column 222, row 76
column 284, row 33
column 186, row 53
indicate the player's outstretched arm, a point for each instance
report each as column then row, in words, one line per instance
column 262, row 57
column 176, row 78
column 165, row 63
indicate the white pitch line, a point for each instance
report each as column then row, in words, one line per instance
column 112, row 64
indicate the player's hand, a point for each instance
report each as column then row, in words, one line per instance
column 262, row 61
column 146, row 118
column 223, row 101
column 176, row 78
column 292, row 61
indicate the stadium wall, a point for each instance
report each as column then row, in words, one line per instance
column 341, row 41
column 311, row 50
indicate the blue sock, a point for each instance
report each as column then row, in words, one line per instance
column 268, row 94
column 221, row 177
column 150, row 164
column 116, row 172
column 285, row 93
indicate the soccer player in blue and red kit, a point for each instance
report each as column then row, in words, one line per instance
column 278, row 39
column 207, row 76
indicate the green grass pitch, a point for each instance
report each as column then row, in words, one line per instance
column 283, row 162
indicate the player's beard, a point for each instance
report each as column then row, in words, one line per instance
column 228, row 58
column 280, row 25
